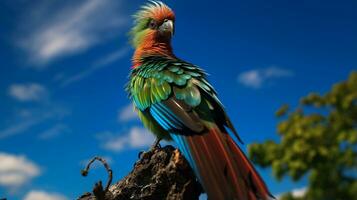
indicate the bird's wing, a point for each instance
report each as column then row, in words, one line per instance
column 160, row 82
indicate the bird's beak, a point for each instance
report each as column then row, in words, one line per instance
column 167, row 27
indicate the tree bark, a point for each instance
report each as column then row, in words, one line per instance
column 160, row 174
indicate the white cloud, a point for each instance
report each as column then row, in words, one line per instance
column 136, row 138
column 105, row 61
column 56, row 30
column 251, row 78
column 54, row 131
column 127, row 114
column 42, row 195
column 257, row 77
column 276, row 72
column 298, row 192
column 28, row 92
column 16, row 170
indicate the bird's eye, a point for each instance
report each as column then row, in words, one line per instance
column 152, row 24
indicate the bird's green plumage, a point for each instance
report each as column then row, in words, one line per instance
column 160, row 77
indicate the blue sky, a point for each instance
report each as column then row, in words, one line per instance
column 64, row 65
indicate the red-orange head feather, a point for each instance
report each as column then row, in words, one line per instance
column 152, row 31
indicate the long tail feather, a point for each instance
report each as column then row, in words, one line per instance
column 221, row 166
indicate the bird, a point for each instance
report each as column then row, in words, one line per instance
column 175, row 101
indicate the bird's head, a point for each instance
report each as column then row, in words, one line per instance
column 153, row 24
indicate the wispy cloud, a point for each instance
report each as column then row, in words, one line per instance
column 20, row 127
column 111, row 57
column 127, row 113
column 28, row 92
column 54, row 131
column 101, row 63
column 298, row 193
column 256, row 78
column 136, row 138
column 43, row 195
column 56, row 30
column 16, row 170
column 24, row 120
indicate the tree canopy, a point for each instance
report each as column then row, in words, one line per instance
column 318, row 139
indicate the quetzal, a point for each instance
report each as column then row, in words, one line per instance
column 176, row 102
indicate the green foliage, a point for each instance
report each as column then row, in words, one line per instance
column 318, row 139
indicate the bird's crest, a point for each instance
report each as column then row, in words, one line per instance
column 153, row 10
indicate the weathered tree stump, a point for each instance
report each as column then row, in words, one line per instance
column 161, row 174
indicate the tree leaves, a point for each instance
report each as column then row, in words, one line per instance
column 318, row 139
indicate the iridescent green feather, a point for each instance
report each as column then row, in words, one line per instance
column 159, row 77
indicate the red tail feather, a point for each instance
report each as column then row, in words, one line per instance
column 223, row 169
